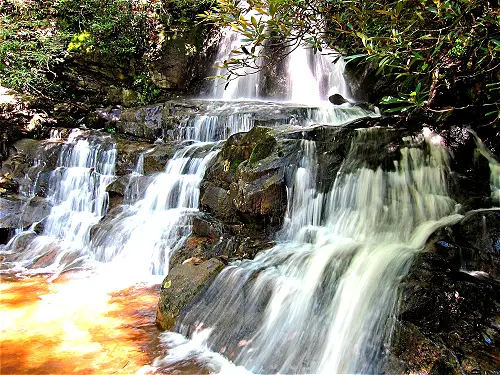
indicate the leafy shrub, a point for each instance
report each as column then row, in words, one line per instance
column 30, row 47
column 439, row 54
column 118, row 28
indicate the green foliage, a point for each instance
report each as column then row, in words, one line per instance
column 148, row 92
column 182, row 13
column 117, row 28
column 30, row 46
column 37, row 37
column 437, row 46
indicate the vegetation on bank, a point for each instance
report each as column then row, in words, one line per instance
column 37, row 38
column 437, row 56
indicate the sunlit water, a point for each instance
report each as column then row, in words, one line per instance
column 75, row 304
column 75, row 326
column 320, row 301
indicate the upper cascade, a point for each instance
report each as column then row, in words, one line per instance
column 304, row 76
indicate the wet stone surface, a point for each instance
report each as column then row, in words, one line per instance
column 449, row 319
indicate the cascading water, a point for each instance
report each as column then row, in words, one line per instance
column 140, row 240
column 494, row 168
column 312, row 78
column 319, row 302
column 309, row 78
column 77, row 193
column 137, row 238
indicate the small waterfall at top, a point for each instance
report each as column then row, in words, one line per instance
column 308, row 78
column 312, row 78
column 320, row 301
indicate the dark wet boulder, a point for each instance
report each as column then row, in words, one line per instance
column 469, row 170
column 18, row 212
column 337, row 99
column 30, row 163
column 449, row 319
column 128, row 153
column 212, row 238
column 156, row 159
column 178, row 289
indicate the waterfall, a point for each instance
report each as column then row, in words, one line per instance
column 494, row 168
column 77, row 192
column 312, row 78
column 320, row 301
column 308, row 77
column 140, row 240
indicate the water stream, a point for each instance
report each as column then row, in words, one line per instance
column 318, row 302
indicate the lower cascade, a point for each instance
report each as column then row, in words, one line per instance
column 320, row 301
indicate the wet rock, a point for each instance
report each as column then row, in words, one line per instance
column 128, row 153
column 180, row 286
column 449, row 320
column 10, row 213
column 213, row 238
column 106, row 224
column 337, row 99
column 8, row 184
column 30, row 164
column 470, row 171
column 35, row 210
column 143, row 122
column 156, row 159
column 246, row 184
column 130, row 188
column 18, row 212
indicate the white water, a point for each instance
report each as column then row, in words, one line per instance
column 312, row 78
column 140, row 240
column 320, row 301
column 308, row 78
column 494, row 168
column 77, row 192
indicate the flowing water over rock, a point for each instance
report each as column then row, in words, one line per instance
column 77, row 192
column 300, row 76
column 319, row 302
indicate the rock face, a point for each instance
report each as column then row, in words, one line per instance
column 180, row 286
column 245, row 185
column 449, row 320
column 178, row 65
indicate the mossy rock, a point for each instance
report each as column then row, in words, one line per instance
column 263, row 149
column 178, row 289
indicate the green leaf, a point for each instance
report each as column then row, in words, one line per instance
column 353, row 57
column 392, row 100
column 254, row 22
column 397, row 109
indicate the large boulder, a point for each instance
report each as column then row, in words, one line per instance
column 20, row 213
column 178, row 289
column 29, row 165
column 449, row 319
column 246, row 184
